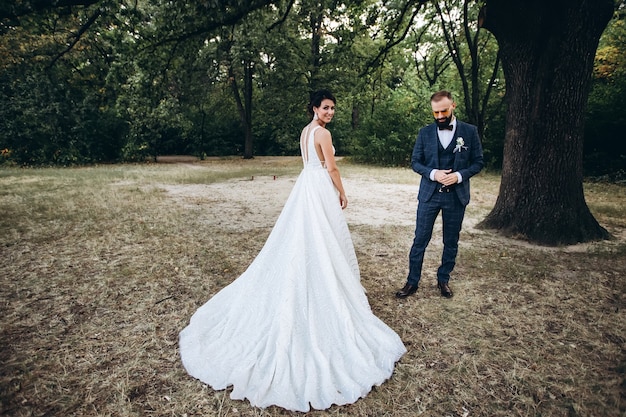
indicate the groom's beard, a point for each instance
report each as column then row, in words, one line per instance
column 444, row 123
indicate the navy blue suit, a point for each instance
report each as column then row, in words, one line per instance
column 428, row 154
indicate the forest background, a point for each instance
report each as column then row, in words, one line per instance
column 115, row 81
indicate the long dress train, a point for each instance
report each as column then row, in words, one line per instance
column 295, row 329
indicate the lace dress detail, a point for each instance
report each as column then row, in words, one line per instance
column 295, row 329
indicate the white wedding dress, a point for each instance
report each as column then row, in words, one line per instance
column 295, row 329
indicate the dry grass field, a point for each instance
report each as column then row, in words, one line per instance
column 101, row 267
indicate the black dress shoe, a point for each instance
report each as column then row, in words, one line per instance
column 445, row 289
column 406, row 291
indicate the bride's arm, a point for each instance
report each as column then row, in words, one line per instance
column 325, row 141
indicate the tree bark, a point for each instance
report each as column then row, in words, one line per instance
column 547, row 50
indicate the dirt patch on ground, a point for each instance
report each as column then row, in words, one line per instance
column 252, row 203
column 256, row 201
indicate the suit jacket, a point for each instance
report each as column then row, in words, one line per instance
column 467, row 162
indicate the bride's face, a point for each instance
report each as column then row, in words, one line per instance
column 325, row 111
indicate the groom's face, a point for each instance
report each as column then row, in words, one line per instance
column 443, row 111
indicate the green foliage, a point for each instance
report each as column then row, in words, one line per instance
column 493, row 141
column 388, row 135
column 48, row 121
column 159, row 77
column 605, row 148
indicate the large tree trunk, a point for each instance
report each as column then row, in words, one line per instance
column 547, row 50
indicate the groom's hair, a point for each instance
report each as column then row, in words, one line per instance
column 441, row 95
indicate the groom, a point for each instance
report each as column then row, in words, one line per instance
column 447, row 154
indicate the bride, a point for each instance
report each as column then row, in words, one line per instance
column 295, row 329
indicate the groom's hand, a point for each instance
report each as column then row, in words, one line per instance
column 446, row 177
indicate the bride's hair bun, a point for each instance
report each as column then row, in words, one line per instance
column 316, row 98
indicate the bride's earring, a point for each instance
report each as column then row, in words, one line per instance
column 315, row 116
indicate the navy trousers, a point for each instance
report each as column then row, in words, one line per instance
column 452, row 212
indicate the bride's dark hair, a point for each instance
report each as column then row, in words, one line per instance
column 316, row 98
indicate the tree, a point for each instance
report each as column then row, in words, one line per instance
column 547, row 51
column 246, row 58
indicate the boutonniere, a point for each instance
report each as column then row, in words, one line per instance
column 460, row 145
